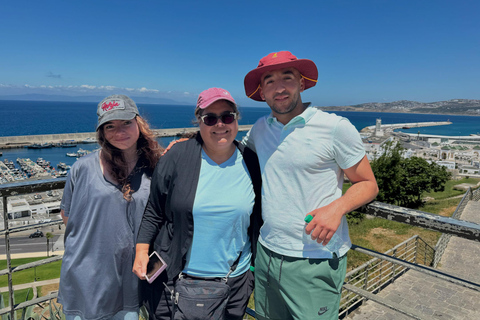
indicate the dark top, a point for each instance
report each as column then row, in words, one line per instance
column 167, row 223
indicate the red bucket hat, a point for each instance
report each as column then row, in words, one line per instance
column 279, row 60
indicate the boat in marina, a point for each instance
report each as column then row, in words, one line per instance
column 61, row 173
column 43, row 163
column 67, row 145
column 80, row 153
column 63, row 166
column 40, row 145
column 89, row 140
column 9, row 164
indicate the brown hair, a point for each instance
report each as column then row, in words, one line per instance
column 148, row 150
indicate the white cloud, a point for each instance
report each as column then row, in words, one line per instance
column 109, row 88
column 86, row 89
column 86, row 86
column 145, row 90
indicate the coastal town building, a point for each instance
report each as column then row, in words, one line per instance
column 460, row 155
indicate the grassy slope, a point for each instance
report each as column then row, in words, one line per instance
column 44, row 272
column 380, row 234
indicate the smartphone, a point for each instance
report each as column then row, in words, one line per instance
column 155, row 266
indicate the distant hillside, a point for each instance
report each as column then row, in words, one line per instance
column 454, row 106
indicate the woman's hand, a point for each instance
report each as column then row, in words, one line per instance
column 141, row 260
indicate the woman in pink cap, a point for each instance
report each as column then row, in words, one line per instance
column 203, row 215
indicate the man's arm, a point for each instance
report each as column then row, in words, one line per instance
column 247, row 140
column 64, row 217
column 363, row 190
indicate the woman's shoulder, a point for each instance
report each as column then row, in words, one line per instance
column 86, row 162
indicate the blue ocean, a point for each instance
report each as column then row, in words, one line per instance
column 45, row 117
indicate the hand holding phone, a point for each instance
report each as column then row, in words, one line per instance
column 155, row 266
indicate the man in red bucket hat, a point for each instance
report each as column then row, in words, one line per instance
column 303, row 154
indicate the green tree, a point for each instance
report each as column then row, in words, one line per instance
column 388, row 172
column 403, row 181
column 49, row 236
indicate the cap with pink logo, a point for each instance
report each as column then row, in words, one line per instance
column 116, row 107
column 208, row 97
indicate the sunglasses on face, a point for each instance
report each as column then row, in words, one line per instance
column 211, row 119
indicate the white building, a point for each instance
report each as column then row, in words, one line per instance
column 448, row 164
column 18, row 208
column 468, row 169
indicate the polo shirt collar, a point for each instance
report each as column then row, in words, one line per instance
column 302, row 118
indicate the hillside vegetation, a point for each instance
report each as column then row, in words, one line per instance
column 455, row 106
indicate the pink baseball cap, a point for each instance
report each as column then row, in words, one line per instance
column 275, row 61
column 209, row 96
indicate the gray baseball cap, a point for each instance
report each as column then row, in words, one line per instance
column 116, row 107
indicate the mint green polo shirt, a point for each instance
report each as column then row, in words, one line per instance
column 301, row 164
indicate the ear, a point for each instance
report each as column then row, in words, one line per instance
column 302, row 84
column 260, row 92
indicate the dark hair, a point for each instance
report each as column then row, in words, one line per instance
column 148, row 150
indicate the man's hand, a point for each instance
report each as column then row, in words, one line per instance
column 172, row 143
column 363, row 190
column 141, row 260
column 324, row 223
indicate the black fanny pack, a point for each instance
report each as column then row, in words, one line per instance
column 201, row 298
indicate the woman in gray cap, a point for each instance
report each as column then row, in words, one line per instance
column 102, row 207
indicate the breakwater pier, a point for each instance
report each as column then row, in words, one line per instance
column 86, row 137
column 391, row 127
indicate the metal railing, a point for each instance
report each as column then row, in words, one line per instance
column 377, row 273
column 445, row 238
column 364, row 281
column 15, row 189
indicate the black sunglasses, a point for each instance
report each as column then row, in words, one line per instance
column 211, row 119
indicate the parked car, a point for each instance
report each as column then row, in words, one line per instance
column 37, row 196
column 36, row 234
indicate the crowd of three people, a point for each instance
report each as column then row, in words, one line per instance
column 211, row 201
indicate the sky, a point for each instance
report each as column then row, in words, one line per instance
column 365, row 50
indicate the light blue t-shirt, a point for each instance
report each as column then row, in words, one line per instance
column 301, row 164
column 221, row 217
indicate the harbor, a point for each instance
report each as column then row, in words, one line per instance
column 394, row 126
column 65, row 139
column 25, row 169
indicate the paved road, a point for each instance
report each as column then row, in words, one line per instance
column 436, row 298
column 27, row 245
column 23, row 246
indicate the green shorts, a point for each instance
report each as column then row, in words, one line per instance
column 297, row 288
